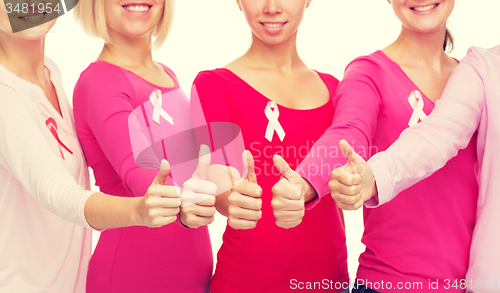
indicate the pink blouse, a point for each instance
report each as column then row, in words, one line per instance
column 133, row 259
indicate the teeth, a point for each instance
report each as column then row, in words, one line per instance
column 32, row 17
column 425, row 8
column 274, row 25
column 138, row 8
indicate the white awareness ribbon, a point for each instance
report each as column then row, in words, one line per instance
column 417, row 104
column 272, row 114
column 156, row 100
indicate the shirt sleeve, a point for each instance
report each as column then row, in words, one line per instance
column 28, row 156
column 357, row 104
column 103, row 102
column 426, row 147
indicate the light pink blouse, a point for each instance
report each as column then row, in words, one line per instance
column 470, row 102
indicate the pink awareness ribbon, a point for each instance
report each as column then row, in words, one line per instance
column 417, row 104
column 52, row 125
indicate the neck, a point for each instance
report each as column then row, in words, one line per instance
column 282, row 57
column 128, row 52
column 24, row 58
column 418, row 49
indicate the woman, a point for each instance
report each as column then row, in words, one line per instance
column 125, row 78
column 45, row 211
column 409, row 243
column 471, row 90
column 280, row 106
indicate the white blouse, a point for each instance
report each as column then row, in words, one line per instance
column 45, row 240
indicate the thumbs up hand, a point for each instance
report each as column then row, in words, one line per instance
column 352, row 184
column 160, row 205
column 288, row 195
column 198, row 194
column 244, row 201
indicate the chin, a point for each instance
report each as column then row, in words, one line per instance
column 34, row 33
column 273, row 41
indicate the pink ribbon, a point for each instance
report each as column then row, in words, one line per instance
column 52, row 125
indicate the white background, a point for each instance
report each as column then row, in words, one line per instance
column 211, row 33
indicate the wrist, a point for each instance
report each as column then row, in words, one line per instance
column 309, row 191
column 137, row 212
column 374, row 191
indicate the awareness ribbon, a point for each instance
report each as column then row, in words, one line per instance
column 272, row 114
column 417, row 104
column 52, row 125
column 156, row 100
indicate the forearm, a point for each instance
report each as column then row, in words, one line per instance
column 104, row 211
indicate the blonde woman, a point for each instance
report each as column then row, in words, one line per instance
column 169, row 259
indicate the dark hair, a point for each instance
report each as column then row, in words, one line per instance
column 448, row 41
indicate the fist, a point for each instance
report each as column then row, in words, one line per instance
column 244, row 201
column 198, row 194
column 288, row 196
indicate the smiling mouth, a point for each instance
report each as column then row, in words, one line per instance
column 273, row 24
column 137, row 8
column 425, row 8
column 33, row 17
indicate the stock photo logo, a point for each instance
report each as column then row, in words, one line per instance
column 24, row 14
column 170, row 126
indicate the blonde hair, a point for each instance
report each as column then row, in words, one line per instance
column 90, row 13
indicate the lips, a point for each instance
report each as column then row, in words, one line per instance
column 33, row 18
column 137, row 7
column 273, row 24
column 424, row 8
column 35, row 15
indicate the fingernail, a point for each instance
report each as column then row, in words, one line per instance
column 163, row 165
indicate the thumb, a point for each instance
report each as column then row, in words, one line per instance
column 350, row 154
column 285, row 170
column 161, row 177
column 250, row 165
column 204, row 159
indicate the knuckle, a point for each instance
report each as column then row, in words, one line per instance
column 151, row 190
column 171, row 219
column 188, row 184
column 154, row 224
column 151, row 214
column 232, row 210
column 276, row 188
column 281, row 225
column 231, row 198
column 274, row 204
column 231, row 222
column 258, row 191
column 331, row 185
